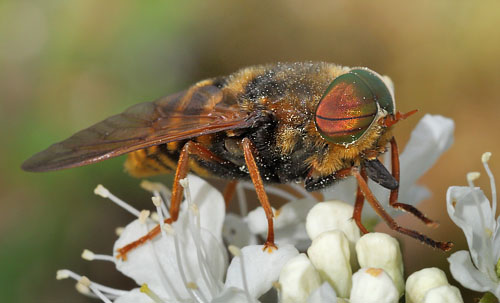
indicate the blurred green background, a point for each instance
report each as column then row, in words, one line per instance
column 67, row 64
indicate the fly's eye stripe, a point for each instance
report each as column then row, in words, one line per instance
column 346, row 110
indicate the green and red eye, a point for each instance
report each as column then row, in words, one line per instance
column 350, row 105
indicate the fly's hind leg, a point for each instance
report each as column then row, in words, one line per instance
column 248, row 151
column 393, row 198
column 190, row 147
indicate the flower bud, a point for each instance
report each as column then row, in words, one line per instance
column 329, row 253
column 334, row 215
column 379, row 250
column 298, row 279
column 443, row 294
column 324, row 293
column 373, row 285
column 420, row 282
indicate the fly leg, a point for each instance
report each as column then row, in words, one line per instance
column 367, row 193
column 249, row 150
column 393, row 198
column 190, row 147
column 229, row 191
column 358, row 205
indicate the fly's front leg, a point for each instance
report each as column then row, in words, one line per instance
column 393, row 198
column 189, row 148
column 249, row 150
column 358, row 205
column 367, row 193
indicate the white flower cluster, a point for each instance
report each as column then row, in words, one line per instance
column 337, row 250
column 188, row 261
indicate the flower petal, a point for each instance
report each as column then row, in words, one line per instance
column 233, row 295
column 236, row 232
column 211, row 205
column 294, row 235
column 468, row 275
column 476, row 221
column 432, row 136
column 262, row 268
column 256, row 220
column 298, row 279
column 325, row 293
column 289, row 222
column 293, row 213
column 156, row 262
column 133, row 296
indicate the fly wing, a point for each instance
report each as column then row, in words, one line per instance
column 202, row 109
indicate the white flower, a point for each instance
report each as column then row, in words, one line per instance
column 329, row 261
column 373, row 285
column 432, row 136
column 329, row 253
column 443, row 294
column 298, row 279
column 379, row 250
column 468, row 207
column 430, row 285
column 188, row 262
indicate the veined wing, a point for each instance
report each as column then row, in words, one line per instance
column 202, row 109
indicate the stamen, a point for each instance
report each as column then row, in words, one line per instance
column 185, row 184
column 198, row 242
column 100, row 294
column 196, row 291
column 235, row 251
column 62, row 274
column 143, row 216
column 90, row 256
column 169, row 229
column 119, row 230
column 103, row 192
column 195, row 233
column 167, row 284
column 83, row 289
column 473, row 176
column 84, row 286
column 180, row 266
column 65, row 273
column 157, row 202
column 485, row 158
column 151, row 294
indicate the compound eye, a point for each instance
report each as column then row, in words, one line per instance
column 346, row 110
